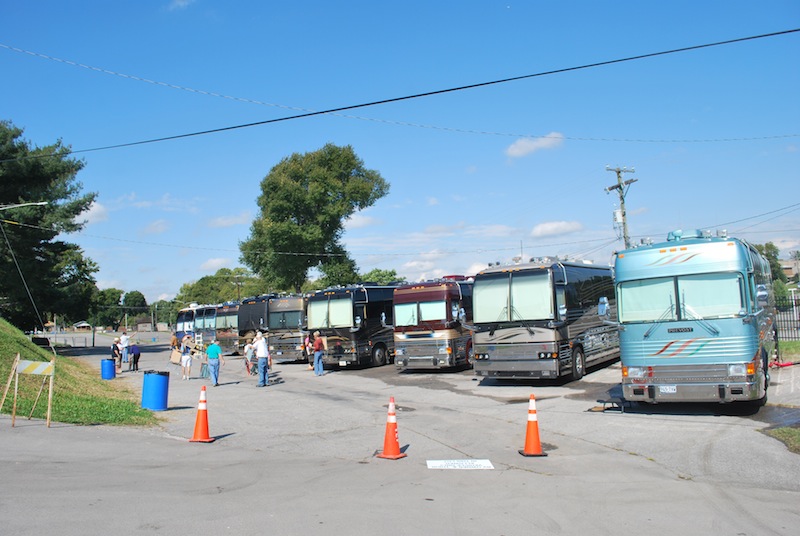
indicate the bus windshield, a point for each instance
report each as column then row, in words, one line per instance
column 285, row 320
column 511, row 297
column 332, row 313
column 412, row 314
column 226, row 320
column 685, row 297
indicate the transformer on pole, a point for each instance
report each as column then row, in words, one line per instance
column 621, row 187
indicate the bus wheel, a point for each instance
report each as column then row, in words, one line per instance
column 578, row 364
column 379, row 356
column 470, row 356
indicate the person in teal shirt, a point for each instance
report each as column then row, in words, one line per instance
column 214, row 355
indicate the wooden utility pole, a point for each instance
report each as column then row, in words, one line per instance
column 622, row 189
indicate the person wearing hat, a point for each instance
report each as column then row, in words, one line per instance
column 319, row 348
column 116, row 354
column 262, row 353
column 214, row 356
column 187, row 345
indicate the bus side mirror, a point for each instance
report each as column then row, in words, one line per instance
column 383, row 320
column 357, row 324
column 562, row 313
column 602, row 307
column 762, row 296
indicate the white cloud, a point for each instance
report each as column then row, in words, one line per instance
column 156, row 227
column 432, row 201
column 212, row 265
column 490, row 231
column 476, row 267
column 243, row 218
column 359, row 221
column 94, row 214
column 180, row 4
column 526, row 146
column 555, row 228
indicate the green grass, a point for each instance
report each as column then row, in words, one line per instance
column 790, row 350
column 79, row 395
column 790, row 436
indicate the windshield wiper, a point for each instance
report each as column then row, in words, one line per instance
column 522, row 320
column 694, row 315
column 664, row 315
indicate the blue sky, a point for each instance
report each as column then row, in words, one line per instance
column 476, row 176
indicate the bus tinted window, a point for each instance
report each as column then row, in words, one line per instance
column 648, row 300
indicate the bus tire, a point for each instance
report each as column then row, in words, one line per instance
column 578, row 363
column 469, row 356
column 379, row 356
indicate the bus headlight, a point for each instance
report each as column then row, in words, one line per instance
column 635, row 372
column 740, row 369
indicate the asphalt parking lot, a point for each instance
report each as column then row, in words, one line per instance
column 299, row 458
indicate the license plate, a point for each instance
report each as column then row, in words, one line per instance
column 667, row 389
column 342, row 363
column 279, row 352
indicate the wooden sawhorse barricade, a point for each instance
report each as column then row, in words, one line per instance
column 36, row 368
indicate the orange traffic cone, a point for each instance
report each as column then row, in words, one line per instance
column 391, row 446
column 201, row 423
column 532, row 445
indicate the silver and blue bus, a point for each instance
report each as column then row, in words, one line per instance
column 696, row 320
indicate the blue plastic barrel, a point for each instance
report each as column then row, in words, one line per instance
column 155, row 390
column 108, row 369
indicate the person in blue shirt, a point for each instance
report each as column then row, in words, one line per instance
column 215, row 360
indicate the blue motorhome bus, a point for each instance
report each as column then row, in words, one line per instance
column 429, row 330
column 205, row 328
column 697, row 320
column 226, row 325
column 355, row 323
column 287, row 316
column 184, row 324
column 543, row 319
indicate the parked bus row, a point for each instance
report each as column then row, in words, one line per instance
column 692, row 319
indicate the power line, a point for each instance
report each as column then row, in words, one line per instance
column 413, row 96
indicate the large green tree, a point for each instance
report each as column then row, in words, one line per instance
column 107, row 308
column 42, row 275
column 304, row 202
column 225, row 285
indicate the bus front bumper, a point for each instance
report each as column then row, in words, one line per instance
column 692, row 392
column 516, row 368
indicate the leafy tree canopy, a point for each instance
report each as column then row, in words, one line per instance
column 382, row 277
column 225, row 285
column 771, row 252
column 56, row 273
column 304, row 202
column 107, row 308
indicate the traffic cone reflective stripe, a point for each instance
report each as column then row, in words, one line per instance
column 391, row 445
column 533, row 447
column 201, row 422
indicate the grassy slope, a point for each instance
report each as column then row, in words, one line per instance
column 79, row 395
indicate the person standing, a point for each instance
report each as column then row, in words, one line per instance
column 214, row 356
column 249, row 357
column 124, row 341
column 186, row 356
column 174, row 343
column 309, row 351
column 262, row 353
column 116, row 354
column 319, row 348
column 134, row 354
